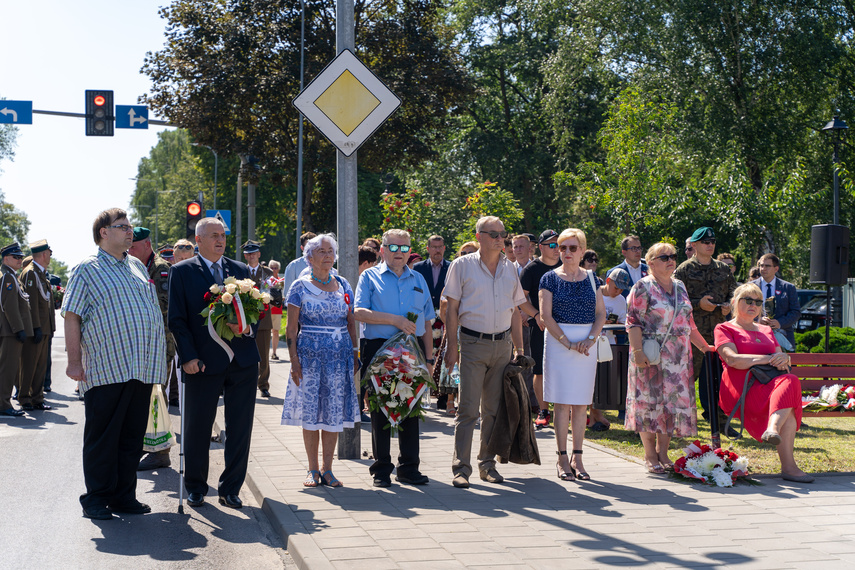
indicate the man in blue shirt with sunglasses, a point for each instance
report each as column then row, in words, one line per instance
column 384, row 295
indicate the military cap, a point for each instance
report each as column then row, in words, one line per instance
column 620, row 277
column 141, row 233
column 546, row 235
column 702, row 233
column 166, row 252
column 11, row 249
column 39, row 246
column 251, row 246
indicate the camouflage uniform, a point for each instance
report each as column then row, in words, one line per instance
column 714, row 279
column 158, row 272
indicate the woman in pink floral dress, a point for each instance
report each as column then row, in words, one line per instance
column 660, row 399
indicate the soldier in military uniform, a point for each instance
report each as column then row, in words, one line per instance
column 260, row 274
column 158, row 273
column 34, row 356
column 710, row 285
column 15, row 325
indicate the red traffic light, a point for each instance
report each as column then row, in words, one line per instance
column 99, row 100
column 193, row 208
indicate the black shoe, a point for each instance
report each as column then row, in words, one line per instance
column 97, row 513
column 27, row 407
column 231, row 501
column 41, row 406
column 733, row 434
column 195, row 499
column 11, row 412
column 47, row 389
column 382, row 482
column 414, row 479
column 134, row 508
column 265, row 393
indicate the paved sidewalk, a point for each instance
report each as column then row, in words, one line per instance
column 623, row 517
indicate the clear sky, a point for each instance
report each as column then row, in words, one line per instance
column 51, row 51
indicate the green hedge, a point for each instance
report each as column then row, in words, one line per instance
column 840, row 340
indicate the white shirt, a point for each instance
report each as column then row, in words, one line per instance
column 764, row 283
column 634, row 272
column 615, row 306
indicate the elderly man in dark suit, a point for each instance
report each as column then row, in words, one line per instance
column 630, row 248
column 434, row 270
column 787, row 307
column 212, row 366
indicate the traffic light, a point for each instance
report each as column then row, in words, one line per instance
column 99, row 113
column 194, row 214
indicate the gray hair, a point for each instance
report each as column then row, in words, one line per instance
column 205, row 222
column 486, row 220
column 395, row 233
column 315, row 243
column 273, row 263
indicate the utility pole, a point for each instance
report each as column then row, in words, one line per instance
column 238, row 206
column 349, row 444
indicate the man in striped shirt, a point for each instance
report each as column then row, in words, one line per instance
column 116, row 347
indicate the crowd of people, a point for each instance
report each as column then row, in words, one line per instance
column 495, row 305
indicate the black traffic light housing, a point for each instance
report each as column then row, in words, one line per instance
column 100, row 119
column 194, row 214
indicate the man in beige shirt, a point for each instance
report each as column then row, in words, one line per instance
column 483, row 291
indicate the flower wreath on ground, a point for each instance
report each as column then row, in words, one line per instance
column 398, row 377
column 834, row 398
column 235, row 301
column 719, row 467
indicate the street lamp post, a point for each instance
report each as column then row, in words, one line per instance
column 216, row 168
column 836, row 129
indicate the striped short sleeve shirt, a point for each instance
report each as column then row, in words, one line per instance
column 122, row 326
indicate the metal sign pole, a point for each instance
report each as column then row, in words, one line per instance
column 349, row 444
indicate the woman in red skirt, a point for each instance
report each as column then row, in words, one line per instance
column 773, row 411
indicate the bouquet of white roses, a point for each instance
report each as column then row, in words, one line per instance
column 235, row 301
column 719, row 467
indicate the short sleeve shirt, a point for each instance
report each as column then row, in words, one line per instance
column 380, row 289
column 530, row 280
column 487, row 301
column 573, row 302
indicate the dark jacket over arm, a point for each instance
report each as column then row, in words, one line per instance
column 513, row 436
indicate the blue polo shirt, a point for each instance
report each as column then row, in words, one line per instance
column 379, row 289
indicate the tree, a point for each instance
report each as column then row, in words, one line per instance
column 230, row 70
column 14, row 225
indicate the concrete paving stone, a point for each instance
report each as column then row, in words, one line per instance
column 338, row 541
column 428, row 565
column 350, row 532
column 354, row 553
column 384, row 524
column 527, row 541
column 472, row 547
column 747, row 533
column 312, row 524
column 448, row 526
column 491, row 559
column 397, row 534
column 368, row 564
column 706, row 541
column 450, row 537
column 386, row 514
column 416, row 554
column 532, row 554
column 800, row 555
column 324, row 515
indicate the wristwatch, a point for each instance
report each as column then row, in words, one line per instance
column 592, row 337
column 430, row 361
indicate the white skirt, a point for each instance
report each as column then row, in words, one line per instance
column 568, row 375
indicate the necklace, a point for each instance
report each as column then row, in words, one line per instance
column 329, row 278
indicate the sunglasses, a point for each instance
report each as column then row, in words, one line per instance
column 708, row 241
column 755, row 302
column 570, row 248
column 393, row 247
column 18, row 256
column 183, row 247
column 549, row 245
column 122, row 227
column 666, row 258
column 494, row 235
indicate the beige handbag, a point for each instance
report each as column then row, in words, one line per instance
column 604, row 348
column 650, row 346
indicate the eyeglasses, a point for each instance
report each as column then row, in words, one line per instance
column 570, row 248
column 751, row 301
column 183, row 247
column 549, row 245
column 502, row 234
column 708, row 241
column 393, row 247
column 633, row 248
column 688, row 249
column 122, row 227
column 666, row 258
column 18, row 256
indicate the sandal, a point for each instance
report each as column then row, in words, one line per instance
column 655, row 469
column 331, row 481
column 313, row 478
column 564, row 475
column 581, row 475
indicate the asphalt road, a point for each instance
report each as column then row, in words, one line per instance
column 41, row 522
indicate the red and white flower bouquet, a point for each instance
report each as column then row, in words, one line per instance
column 398, row 377
column 834, row 398
column 719, row 467
column 235, row 301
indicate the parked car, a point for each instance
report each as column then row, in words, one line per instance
column 813, row 314
column 806, row 295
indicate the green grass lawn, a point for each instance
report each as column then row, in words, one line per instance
column 824, row 445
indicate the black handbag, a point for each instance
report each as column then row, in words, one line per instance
column 763, row 373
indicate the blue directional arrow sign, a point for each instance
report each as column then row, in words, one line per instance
column 16, row 112
column 131, row 117
column 224, row 216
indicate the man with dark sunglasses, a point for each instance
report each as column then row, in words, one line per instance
column 710, row 285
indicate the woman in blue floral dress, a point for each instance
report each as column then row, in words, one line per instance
column 321, row 396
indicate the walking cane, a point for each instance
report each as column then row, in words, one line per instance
column 715, row 437
column 181, row 390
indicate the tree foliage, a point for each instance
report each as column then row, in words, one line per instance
column 14, row 224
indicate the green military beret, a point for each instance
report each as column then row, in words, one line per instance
column 702, row 233
column 141, row 233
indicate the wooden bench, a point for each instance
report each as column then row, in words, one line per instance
column 816, row 370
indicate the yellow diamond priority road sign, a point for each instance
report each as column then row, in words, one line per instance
column 347, row 102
